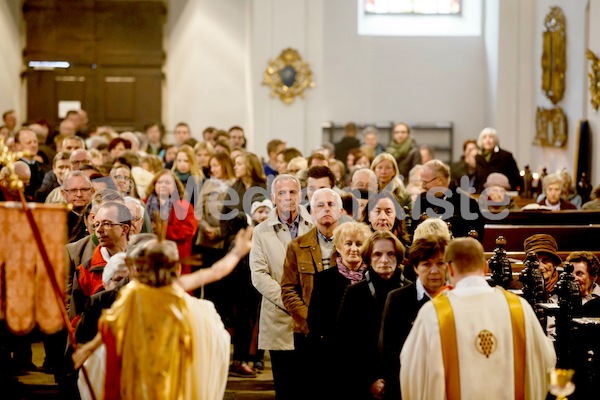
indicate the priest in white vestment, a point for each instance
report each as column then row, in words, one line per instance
column 475, row 341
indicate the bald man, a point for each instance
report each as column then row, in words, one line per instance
column 475, row 331
column 8, row 193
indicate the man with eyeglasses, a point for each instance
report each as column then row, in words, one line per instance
column 77, row 190
column 442, row 199
column 112, row 225
column 80, row 157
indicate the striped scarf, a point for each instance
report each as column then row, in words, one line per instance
column 352, row 276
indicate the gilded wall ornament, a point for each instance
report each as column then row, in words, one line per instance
column 551, row 127
column 288, row 76
column 594, row 76
column 554, row 61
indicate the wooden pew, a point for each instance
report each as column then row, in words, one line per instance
column 573, row 229
column 568, row 237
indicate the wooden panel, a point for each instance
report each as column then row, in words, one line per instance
column 40, row 95
column 104, row 40
column 131, row 97
column 59, row 30
column 119, row 98
column 129, row 33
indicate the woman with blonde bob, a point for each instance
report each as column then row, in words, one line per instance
column 328, row 291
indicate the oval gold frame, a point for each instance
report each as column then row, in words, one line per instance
column 289, row 58
column 551, row 127
column 594, row 76
column 554, row 61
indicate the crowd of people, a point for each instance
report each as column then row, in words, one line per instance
column 342, row 276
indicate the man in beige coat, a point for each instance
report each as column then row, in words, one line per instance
column 286, row 221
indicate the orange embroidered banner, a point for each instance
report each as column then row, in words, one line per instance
column 26, row 297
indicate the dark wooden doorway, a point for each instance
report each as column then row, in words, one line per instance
column 115, row 52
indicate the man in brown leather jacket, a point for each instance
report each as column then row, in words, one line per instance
column 307, row 256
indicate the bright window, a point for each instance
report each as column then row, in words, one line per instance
column 412, row 6
column 419, row 17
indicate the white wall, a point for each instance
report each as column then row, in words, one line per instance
column 275, row 26
column 206, row 62
column 413, row 79
column 10, row 62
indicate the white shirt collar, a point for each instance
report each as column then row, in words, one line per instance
column 105, row 253
column 421, row 292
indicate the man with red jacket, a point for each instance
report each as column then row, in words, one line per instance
column 112, row 224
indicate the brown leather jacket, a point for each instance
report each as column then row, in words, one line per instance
column 302, row 261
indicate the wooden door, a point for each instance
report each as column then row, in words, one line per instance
column 115, row 53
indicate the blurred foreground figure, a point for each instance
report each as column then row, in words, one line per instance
column 161, row 343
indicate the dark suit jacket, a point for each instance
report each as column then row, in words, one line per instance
column 399, row 314
column 37, row 177
column 460, row 226
column 328, row 291
column 357, row 333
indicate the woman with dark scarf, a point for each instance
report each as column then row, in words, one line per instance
column 165, row 202
column 545, row 248
column 356, row 336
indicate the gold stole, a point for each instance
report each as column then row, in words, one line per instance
column 450, row 345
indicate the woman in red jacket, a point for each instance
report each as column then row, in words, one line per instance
column 165, row 201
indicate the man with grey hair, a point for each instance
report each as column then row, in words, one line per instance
column 364, row 179
column 112, row 226
column 286, row 221
column 72, row 143
column 77, row 191
column 306, row 257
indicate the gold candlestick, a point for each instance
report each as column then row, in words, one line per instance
column 560, row 382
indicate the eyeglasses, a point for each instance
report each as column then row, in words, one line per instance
column 75, row 191
column 104, row 224
column 80, row 162
column 429, row 181
column 123, row 178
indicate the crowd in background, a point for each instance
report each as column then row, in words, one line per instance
column 205, row 189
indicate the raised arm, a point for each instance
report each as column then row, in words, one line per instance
column 223, row 267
